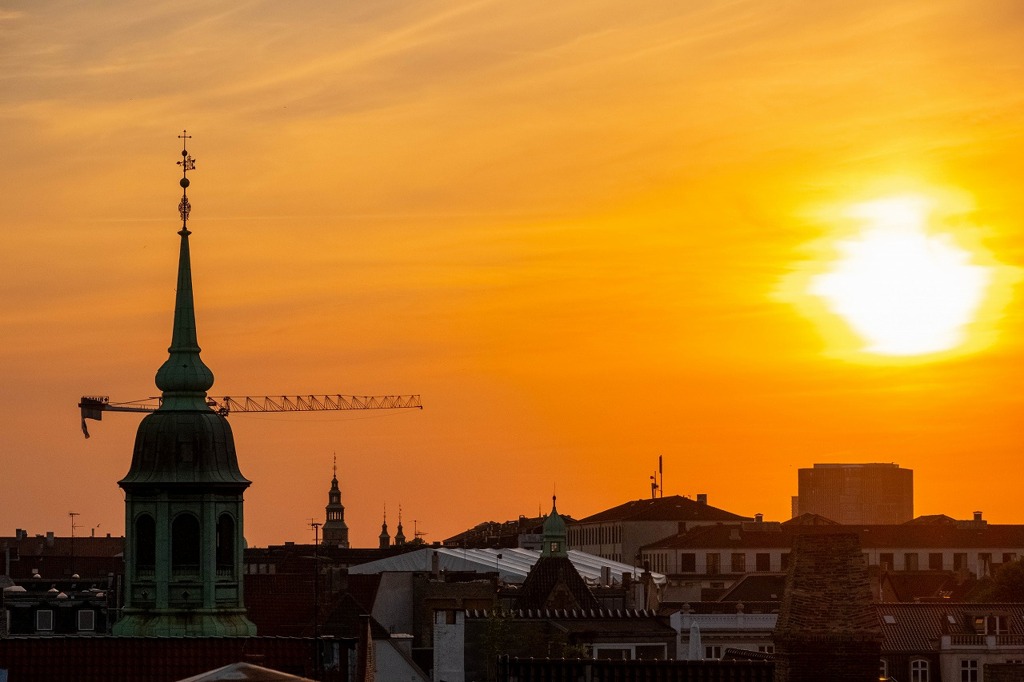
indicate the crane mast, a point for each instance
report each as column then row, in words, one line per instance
column 93, row 407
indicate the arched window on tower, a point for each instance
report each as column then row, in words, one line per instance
column 225, row 545
column 185, row 549
column 145, row 545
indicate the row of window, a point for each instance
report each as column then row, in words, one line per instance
column 595, row 535
column 740, row 562
column 186, row 544
column 86, row 620
column 920, row 670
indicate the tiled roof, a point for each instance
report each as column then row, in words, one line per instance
column 555, row 582
column 901, row 536
column 757, row 587
column 918, row 627
column 155, row 659
column 672, row 508
column 909, row 586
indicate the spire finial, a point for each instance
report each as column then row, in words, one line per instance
column 187, row 163
column 183, row 378
column 335, row 465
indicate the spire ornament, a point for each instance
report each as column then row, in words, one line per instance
column 187, row 163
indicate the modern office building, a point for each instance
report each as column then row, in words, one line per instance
column 859, row 494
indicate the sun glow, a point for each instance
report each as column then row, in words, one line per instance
column 904, row 290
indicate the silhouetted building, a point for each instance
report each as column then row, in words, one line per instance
column 524, row 532
column 335, row 529
column 183, row 494
column 553, row 582
column 52, row 557
column 856, row 493
column 619, row 533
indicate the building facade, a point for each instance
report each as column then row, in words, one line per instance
column 619, row 533
column 856, row 493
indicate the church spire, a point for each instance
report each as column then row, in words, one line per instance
column 384, row 537
column 183, row 378
column 399, row 533
column 335, row 530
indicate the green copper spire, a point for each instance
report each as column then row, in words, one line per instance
column 555, row 534
column 183, row 378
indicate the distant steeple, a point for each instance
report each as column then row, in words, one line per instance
column 555, row 534
column 399, row 535
column 385, row 537
column 335, row 529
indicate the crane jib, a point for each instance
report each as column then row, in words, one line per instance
column 93, row 407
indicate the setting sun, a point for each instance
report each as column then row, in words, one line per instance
column 903, row 290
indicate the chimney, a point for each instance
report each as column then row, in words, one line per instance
column 758, row 518
column 19, row 534
column 49, row 538
column 606, row 576
column 977, row 516
column 435, row 565
column 702, row 498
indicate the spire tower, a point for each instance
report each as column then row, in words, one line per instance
column 335, row 529
column 184, row 490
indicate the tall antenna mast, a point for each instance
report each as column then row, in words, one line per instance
column 73, row 527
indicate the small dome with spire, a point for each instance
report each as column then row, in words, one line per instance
column 556, row 533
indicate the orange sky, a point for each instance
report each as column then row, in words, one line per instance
column 565, row 225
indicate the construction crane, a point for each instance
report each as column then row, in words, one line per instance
column 93, row 407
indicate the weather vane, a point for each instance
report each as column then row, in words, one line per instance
column 187, row 163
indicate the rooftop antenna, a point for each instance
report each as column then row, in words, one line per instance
column 315, row 525
column 658, row 482
column 73, row 527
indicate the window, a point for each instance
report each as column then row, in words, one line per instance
column 611, row 654
column 919, row 670
column 650, row 652
column 784, row 560
column 989, row 625
column 883, row 669
column 1008, row 557
column 960, row 561
column 687, row 563
column 145, row 542
column 766, row 648
column 711, row 652
column 935, row 561
column 86, row 620
column 185, row 544
column 886, row 561
column 762, row 561
column 714, row 563
column 44, row 620
column 910, row 561
column 225, row 543
column 739, row 562
column 969, row 670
